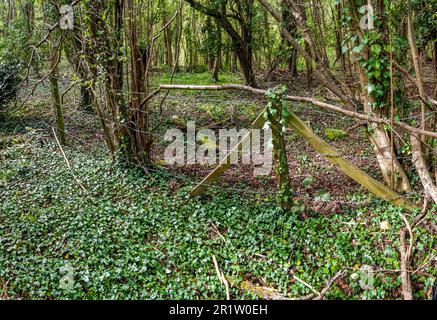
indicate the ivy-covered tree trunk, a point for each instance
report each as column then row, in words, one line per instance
column 374, row 88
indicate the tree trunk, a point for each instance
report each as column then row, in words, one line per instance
column 392, row 172
column 419, row 159
column 57, row 106
column 167, row 40
column 241, row 43
column 179, row 27
column 290, row 25
column 218, row 56
column 319, row 34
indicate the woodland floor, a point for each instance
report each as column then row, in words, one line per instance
column 131, row 236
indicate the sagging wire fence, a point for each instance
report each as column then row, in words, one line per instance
column 297, row 101
column 168, row 172
column 298, row 108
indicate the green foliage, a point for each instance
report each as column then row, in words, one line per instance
column 133, row 237
column 194, row 78
column 14, row 44
column 211, row 44
column 9, row 82
column 335, row 134
column 377, row 67
column 425, row 21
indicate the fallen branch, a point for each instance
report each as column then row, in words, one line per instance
column 67, row 162
column 339, row 274
column 306, row 285
column 413, row 81
column 406, row 251
column 321, row 104
column 221, row 277
column 216, row 230
column 348, row 168
column 266, row 293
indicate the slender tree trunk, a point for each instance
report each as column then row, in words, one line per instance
column 290, row 25
column 167, row 39
column 319, row 34
column 419, row 159
column 179, row 27
column 309, row 67
column 336, row 16
column 57, row 106
column 218, row 56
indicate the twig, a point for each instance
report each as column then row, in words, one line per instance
column 221, row 277
column 307, row 285
column 67, row 162
column 405, row 276
column 216, row 230
column 355, row 126
column 406, row 252
column 339, row 274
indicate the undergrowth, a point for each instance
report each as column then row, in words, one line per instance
column 131, row 236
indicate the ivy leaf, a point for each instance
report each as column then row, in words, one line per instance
column 285, row 112
column 323, row 195
column 307, row 181
column 358, row 49
column 376, row 49
column 344, row 49
column 377, row 74
column 273, row 111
